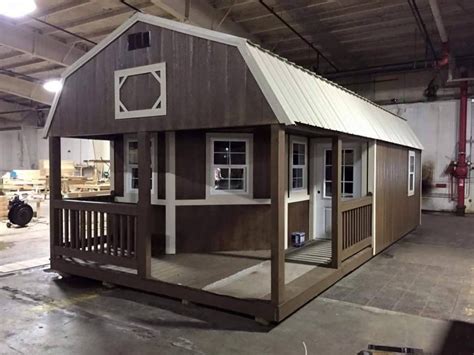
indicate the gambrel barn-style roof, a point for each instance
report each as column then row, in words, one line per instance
column 295, row 95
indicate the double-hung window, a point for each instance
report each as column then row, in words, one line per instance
column 229, row 165
column 411, row 173
column 347, row 170
column 298, row 165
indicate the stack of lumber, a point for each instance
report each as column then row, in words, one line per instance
column 25, row 180
column 3, row 207
column 73, row 182
column 67, row 168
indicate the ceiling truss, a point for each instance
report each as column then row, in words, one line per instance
column 353, row 34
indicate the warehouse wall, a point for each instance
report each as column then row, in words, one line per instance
column 22, row 146
column 436, row 124
column 403, row 87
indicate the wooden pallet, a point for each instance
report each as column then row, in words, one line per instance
column 4, row 206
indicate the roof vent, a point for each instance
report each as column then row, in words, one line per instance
column 138, row 40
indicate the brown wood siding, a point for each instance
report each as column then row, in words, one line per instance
column 158, row 234
column 396, row 212
column 191, row 158
column 222, row 228
column 190, row 165
column 161, row 166
column 208, row 85
column 298, row 218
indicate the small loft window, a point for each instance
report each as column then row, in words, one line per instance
column 138, row 40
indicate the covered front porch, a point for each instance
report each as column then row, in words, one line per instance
column 112, row 241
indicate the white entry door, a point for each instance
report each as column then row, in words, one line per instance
column 322, row 174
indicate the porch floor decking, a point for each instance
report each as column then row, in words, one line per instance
column 316, row 252
column 198, row 270
column 239, row 275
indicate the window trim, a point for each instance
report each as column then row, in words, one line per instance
column 298, row 140
column 127, row 181
column 411, row 153
column 158, row 72
column 211, row 192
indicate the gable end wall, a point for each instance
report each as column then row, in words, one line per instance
column 208, row 85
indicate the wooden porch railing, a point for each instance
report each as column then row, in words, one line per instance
column 96, row 231
column 356, row 225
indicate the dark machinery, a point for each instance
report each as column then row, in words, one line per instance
column 19, row 212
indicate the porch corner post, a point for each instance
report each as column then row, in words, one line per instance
column 118, row 166
column 143, row 251
column 336, row 202
column 54, row 193
column 278, row 171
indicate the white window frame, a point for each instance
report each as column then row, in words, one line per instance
column 128, row 190
column 248, row 167
column 411, row 174
column 158, row 71
column 304, row 188
column 325, row 195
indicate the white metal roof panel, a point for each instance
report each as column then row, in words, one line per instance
column 310, row 99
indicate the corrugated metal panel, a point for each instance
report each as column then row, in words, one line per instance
column 310, row 99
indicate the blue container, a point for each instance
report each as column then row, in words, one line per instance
column 298, row 239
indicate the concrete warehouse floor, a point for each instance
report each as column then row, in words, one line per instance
column 418, row 293
column 20, row 247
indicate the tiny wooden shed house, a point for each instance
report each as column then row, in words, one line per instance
column 245, row 149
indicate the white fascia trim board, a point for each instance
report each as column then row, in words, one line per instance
column 264, row 84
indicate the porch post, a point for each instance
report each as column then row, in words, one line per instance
column 54, row 192
column 336, row 202
column 143, row 251
column 278, row 171
column 118, row 165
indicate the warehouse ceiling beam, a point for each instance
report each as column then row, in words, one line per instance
column 38, row 45
column 201, row 13
column 13, row 112
column 57, row 9
column 25, row 89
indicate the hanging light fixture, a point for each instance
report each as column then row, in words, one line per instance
column 17, row 8
column 53, row 85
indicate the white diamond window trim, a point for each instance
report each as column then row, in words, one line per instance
column 157, row 71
